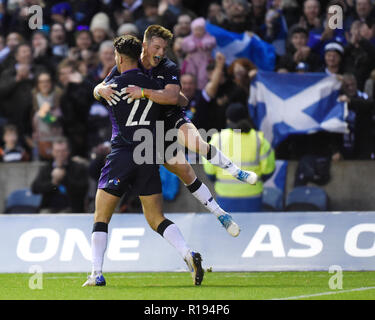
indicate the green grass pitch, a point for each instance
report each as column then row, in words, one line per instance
column 178, row 286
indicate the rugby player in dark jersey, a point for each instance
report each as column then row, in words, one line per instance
column 122, row 173
column 163, row 70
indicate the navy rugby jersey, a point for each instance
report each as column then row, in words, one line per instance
column 126, row 117
column 166, row 72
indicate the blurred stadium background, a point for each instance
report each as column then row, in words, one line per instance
column 317, row 207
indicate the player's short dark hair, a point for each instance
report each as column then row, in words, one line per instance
column 129, row 46
column 158, row 31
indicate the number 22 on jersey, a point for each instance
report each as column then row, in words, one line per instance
column 142, row 121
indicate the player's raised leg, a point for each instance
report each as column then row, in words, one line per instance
column 180, row 167
column 190, row 137
column 105, row 204
column 152, row 209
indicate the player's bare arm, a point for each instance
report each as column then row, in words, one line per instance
column 170, row 95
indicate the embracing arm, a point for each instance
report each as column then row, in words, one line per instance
column 170, row 95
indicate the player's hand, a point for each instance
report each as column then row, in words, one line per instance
column 132, row 92
column 108, row 93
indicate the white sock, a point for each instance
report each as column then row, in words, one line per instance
column 98, row 247
column 204, row 196
column 174, row 236
column 221, row 160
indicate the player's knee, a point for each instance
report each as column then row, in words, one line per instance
column 186, row 173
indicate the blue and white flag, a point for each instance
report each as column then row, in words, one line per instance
column 278, row 178
column 240, row 45
column 292, row 103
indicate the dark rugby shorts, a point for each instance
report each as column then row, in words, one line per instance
column 121, row 175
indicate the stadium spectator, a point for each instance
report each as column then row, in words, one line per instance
column 319, row 37
column 198, row 109
column 219, row 92
column 46, row 115
column 84, row 10
column 183, row 26
column 291, row 11
column 239, row 71
column 170, row 10
column 62, row 182
column 198, row 48
column 151, row 16
column 58, row 42
column 16, row 84
column 100, row 29
column 364, row 10
column 83, row 40
column 310, row 18
column 12, row 151
column 17, row 18
column 367, row 31
column 7, row 59
column 177, row 54
column 248, row 148
column 298, row 52
column 276, row 28
column 215, row 13
column 237, row 16
column 76, row 101
column 359, row 142
column 189, row 89
column 258, row 11
column 333, row 58
column 127, row 10
column 128, row 28
column 359, row 55
column 62, row 13
column 83, row 52
column 41, row 51
column 106, row 62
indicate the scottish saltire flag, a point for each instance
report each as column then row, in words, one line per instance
column 292, row 103
column 241, row 45
column 278, row 178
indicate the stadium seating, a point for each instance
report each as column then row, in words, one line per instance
column 272, row 199
column 23, row 201
column 307, row 198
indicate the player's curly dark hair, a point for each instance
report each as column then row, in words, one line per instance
column 156, row 30
column 129, row 46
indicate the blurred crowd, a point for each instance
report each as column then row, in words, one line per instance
column 47, row 75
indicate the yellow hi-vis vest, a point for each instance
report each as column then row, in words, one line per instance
column 249, row 151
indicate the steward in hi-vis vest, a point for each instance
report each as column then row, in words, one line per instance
column 250, row 151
